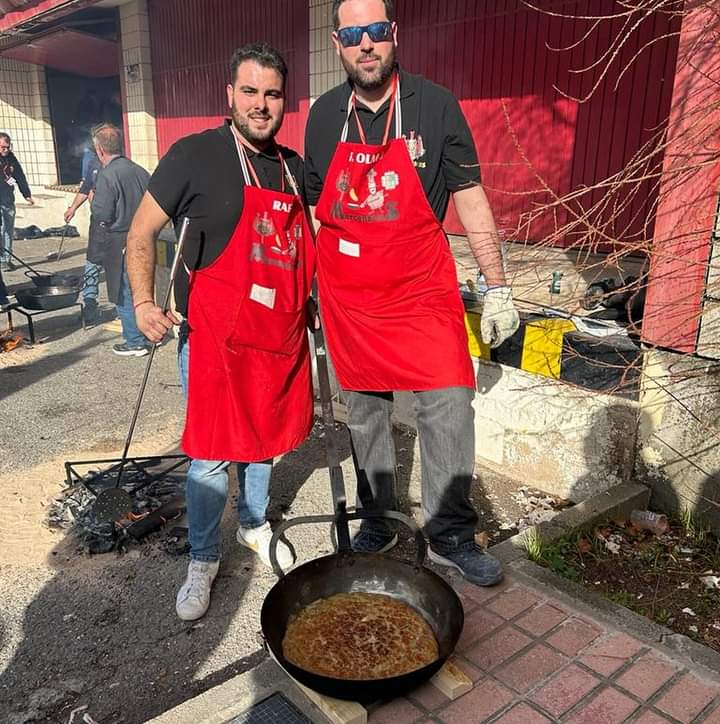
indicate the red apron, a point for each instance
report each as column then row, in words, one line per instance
column 250, row 385
column 390, row 304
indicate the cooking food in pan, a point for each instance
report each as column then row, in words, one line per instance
column 359, row 636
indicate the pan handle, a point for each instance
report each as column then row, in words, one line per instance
column 420, row 543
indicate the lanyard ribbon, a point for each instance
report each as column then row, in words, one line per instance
column 394, row 104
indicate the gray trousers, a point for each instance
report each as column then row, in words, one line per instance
column 445, row 420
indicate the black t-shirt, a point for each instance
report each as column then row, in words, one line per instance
column 201, row 177
column 430, row 114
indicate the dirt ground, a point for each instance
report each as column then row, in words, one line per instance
column 101, row 631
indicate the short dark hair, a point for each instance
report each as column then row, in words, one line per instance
column 109, row 138
column 389, row 11
column 262, row 54
column 6, row 136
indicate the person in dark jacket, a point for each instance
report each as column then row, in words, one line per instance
column 119, row 188
column 11, row 175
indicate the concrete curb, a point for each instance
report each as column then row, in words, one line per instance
column 617, row 502
column 677, row 646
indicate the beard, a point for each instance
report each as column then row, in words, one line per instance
column 242, row 124
column 371, row 80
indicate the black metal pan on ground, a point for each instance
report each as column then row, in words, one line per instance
column 47, row 298
column 349, row 572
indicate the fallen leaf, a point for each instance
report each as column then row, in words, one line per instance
column 694, row 629
column 482, row 539
column 689, row 611
column 711, row 581
column 584, row 545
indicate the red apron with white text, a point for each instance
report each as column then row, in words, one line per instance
column 390, row 304
column 250, row 385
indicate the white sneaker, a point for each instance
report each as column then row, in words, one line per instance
column 193, row 597
column 258, row 540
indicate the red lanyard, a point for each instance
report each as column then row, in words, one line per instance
column 391, row 112
column 251, row 168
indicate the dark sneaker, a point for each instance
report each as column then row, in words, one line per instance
column 475, row 565
column 91, row 313
column 125, row 350
column 371, row 541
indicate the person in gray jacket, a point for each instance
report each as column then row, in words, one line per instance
column 119, row 188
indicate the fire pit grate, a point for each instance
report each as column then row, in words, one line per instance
column 276, row 709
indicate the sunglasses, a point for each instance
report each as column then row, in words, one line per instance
column 351, row 36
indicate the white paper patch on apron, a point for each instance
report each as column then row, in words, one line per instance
column 263, row 295
column 349, row 248
column 10, row 181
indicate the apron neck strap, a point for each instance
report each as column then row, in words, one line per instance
column 249, row 170
column 394, row 111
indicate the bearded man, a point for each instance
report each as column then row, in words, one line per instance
column 245, row 279
column 384, row 152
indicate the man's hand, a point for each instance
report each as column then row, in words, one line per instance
column 499, row 319
column 312, row 318
column 30, row 200
column 68, row 215
column 153, row 322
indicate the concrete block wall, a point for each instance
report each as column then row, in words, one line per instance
column 25, row 115
column 679, row 433
column 136, row 75
column 326, row 70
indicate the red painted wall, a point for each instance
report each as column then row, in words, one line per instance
column 192, row 43
column 689, row 192
column 494, row 55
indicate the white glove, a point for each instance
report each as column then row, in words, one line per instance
column 499, row 319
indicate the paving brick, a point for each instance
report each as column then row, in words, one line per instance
column 650, row 717
column 609, row 707
column 512, row 602
column 541, row 619
column 522, row 714
column 713, row 717
column 565, row 690
column 481, row 594
column 429, row 696
column 497, row 648
column 477, row 624
column 687, row 698
column 398, row 711
column 528, row 670
column 573, row 636
column 646, row 675
column 487, row 698
column 609, row 654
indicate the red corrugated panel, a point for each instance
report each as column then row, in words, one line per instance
column 192, row 43
column 688, row 196
column 494, row 55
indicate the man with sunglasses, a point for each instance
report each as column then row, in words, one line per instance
column 389, row 298
column 11, row 175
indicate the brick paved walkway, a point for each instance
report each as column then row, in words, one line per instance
column 535, row 660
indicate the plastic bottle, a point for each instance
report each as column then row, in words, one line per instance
column 647, row 520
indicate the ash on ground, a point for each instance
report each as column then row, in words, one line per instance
column 155, row 506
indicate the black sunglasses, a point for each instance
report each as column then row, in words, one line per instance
column 379, row 33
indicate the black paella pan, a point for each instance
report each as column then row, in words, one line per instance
column 348, row 572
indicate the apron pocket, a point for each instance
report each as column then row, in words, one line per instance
column 271, row 330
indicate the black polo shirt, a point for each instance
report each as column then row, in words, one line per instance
column 429, row 111
column 201, row 177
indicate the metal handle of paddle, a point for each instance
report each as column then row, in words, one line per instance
column 165, row 306
column 420, row 543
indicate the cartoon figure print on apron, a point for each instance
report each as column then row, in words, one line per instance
column 250, row 384
column 389, row 297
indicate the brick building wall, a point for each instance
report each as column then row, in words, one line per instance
column 25, row 115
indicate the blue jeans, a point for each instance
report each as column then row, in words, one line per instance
column 7, row 227
column 132, row 335
column 207, row 486
column 91, row 280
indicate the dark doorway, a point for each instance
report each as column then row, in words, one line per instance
column 77, row 103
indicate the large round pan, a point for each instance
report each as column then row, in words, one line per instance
column 55, row 280
column 348, row 572
column 48, row 298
